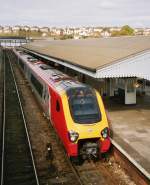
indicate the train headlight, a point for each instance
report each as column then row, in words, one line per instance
column 105, row 132
column 73, row 136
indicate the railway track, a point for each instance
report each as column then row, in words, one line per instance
column 17, row 166
column 1, row 97
column 57, row 171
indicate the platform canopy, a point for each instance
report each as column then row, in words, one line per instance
column 100, row 58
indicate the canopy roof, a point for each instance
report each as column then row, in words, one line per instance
column 94, row 56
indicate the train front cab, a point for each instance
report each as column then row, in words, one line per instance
column 87, row 129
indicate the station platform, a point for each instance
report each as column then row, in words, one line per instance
column 130, row 125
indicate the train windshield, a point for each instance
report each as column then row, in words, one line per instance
column 83, row 105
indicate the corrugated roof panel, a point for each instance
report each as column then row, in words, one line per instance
column 138, row 66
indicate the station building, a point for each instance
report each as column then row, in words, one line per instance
column 118, row 66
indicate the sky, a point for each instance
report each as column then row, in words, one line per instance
column 62, row 13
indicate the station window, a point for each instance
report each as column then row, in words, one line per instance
column 38, row 86
column 57, row 106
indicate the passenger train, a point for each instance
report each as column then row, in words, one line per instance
column 75, row 110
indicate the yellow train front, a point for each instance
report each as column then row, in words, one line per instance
column 86, row 123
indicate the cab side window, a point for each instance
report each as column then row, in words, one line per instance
column 57, row 106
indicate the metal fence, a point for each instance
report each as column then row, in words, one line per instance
column 13, row 42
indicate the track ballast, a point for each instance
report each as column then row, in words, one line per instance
column 17, row 166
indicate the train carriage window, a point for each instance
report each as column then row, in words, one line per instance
column 45, row 94
column 57, row 106
column 45, row 67
column 38, row 86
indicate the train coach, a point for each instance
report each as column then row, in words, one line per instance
column 75, row 110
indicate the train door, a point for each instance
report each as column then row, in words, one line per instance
column 46, row 101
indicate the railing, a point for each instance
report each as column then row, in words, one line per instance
column 6, row 42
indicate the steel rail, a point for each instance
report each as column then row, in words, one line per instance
column 3, row 124
column 75, row 171
column 25, row 123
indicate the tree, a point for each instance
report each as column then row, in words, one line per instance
column 64, row 37
column 126, row 30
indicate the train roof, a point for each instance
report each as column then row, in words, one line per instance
column 48, row 74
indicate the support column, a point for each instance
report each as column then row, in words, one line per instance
column 130, row 91
column 112, row 87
